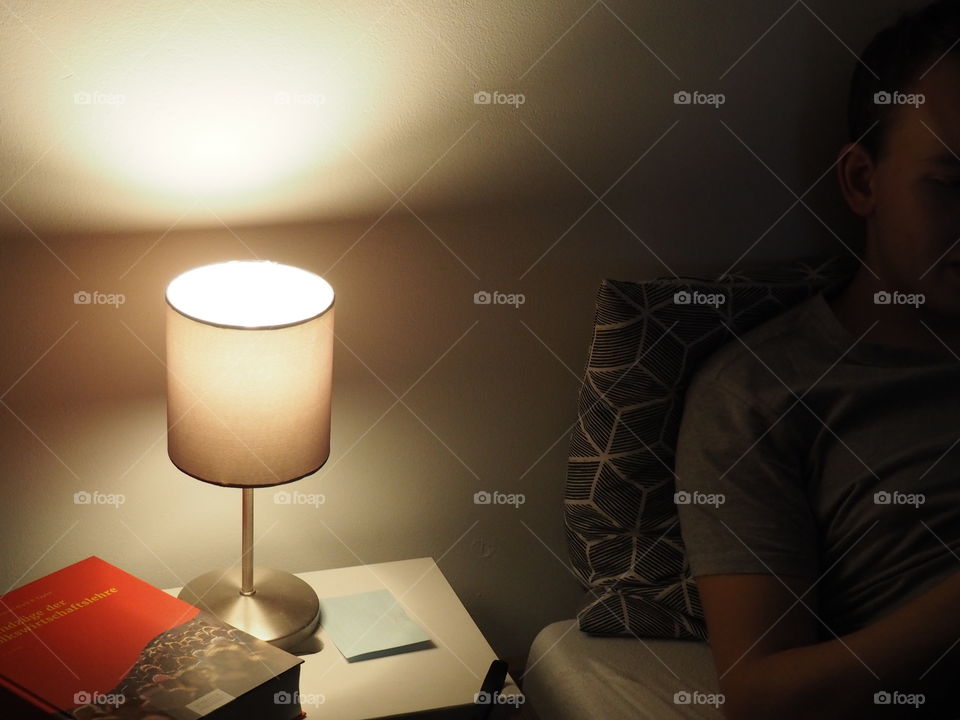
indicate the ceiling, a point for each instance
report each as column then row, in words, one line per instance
column 144, row 114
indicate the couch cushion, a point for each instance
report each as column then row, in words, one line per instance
column 571, row 676
column 621, row 521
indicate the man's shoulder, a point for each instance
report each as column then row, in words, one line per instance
column 770, row 355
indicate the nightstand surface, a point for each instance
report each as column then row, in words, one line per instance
column 445, row 676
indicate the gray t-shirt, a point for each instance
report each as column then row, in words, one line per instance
column 799, row 479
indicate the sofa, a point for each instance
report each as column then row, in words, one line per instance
column 574, row 675
column 638, row 647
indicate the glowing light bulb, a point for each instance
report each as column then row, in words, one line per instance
column 250, row 294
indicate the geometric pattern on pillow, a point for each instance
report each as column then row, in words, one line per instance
column 621, row 523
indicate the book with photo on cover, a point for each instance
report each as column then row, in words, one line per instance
column 92, row 642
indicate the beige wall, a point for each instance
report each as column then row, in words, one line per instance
column 492, row 390
column 488, row 398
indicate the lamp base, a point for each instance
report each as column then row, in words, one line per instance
column 284, row 610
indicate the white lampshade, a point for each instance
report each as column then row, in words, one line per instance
column 249, row 372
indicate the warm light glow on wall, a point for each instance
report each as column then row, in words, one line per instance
column 215, row 133
column 147, row 116
column 218, row 112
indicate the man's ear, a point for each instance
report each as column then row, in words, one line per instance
column 855, row 168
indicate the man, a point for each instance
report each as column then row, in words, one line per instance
column 830, row 573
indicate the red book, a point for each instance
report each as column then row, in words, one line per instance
column 91, row 642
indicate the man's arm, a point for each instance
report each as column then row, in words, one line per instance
column 772, row 665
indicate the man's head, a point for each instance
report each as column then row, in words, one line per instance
column 894, row 61
column 901, row 170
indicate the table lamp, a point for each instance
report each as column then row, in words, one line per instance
column 249, row 372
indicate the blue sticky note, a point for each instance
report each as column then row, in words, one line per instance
column 369, row 625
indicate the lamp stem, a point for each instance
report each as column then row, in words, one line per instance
column 246, row 558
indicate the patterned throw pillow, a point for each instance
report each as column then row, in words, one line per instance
column 621, row 521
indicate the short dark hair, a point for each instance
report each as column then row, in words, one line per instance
column 894, row 61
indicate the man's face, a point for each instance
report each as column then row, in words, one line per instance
column 916, row 221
